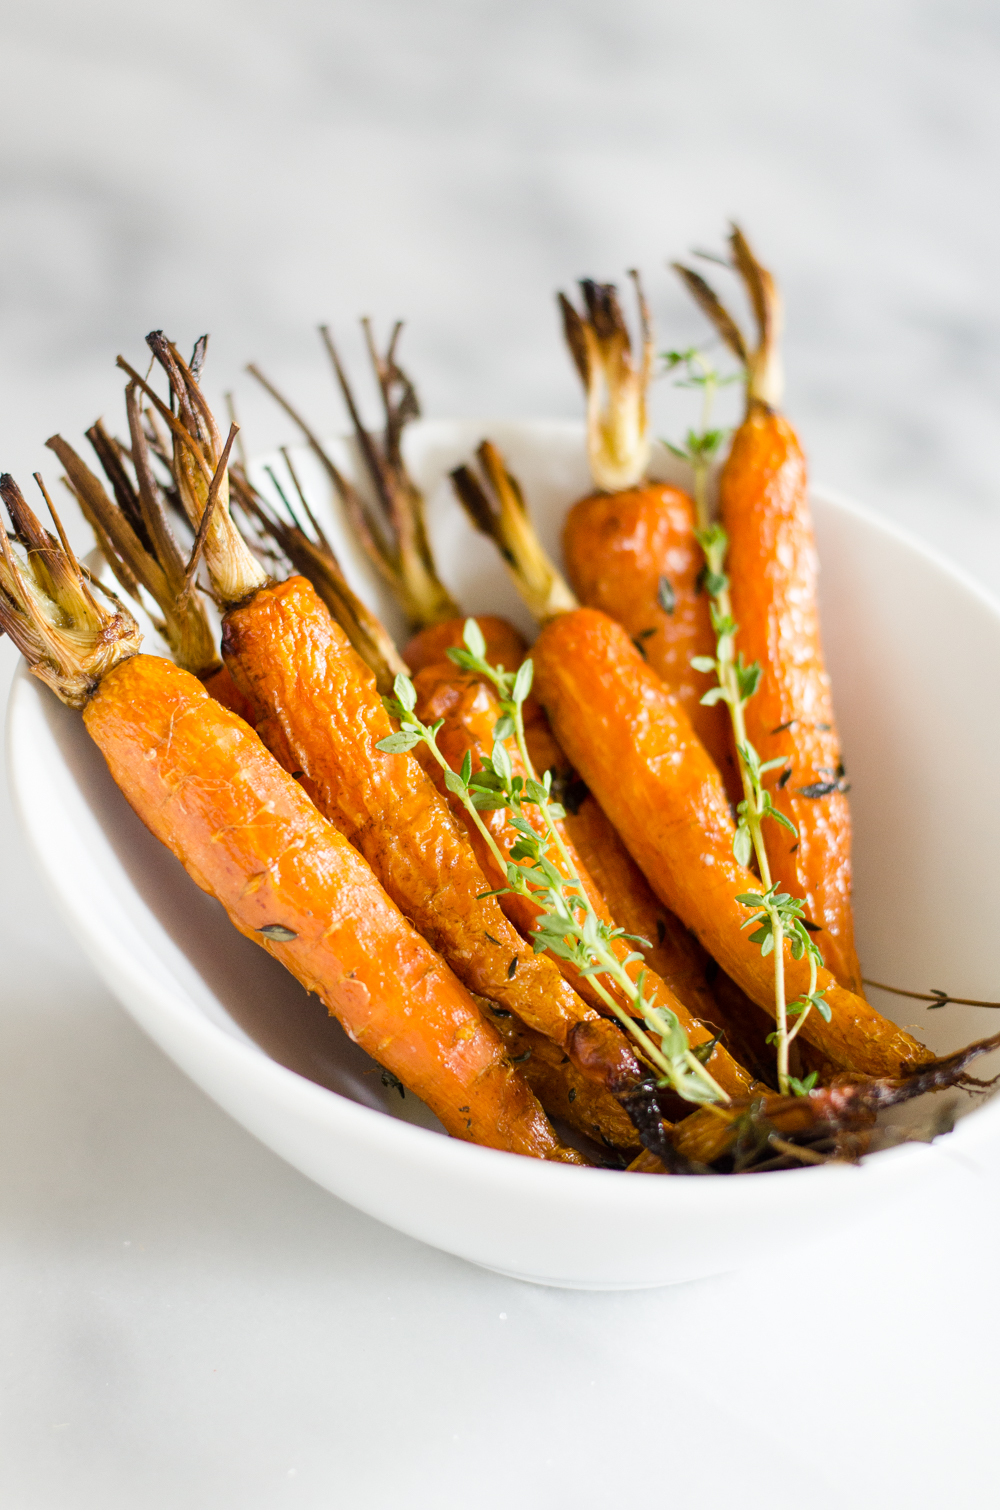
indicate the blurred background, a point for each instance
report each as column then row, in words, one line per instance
column 251, row 169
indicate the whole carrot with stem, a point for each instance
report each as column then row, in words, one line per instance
column 495, row 504
column 203, row 783
column 771, row 570
column 630, row 546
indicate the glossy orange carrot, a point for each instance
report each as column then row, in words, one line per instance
column 630, row 547
column 248, row 835
column 203, row 783
column 633, row 554
column 634, row 746
column 470, row 711
column 771, row 564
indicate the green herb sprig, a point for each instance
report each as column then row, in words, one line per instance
column 780, row 917
column 539, row 865
column 700, row 447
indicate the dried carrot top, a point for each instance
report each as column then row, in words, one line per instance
column 615, row 378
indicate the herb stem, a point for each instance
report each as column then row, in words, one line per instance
column 702, row 463
column 813, row 973
column 778, row 917
column 779, row 920
column 470, row 807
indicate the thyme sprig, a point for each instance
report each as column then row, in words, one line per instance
column 700, row 447
column 780, row 916
column 539, row 865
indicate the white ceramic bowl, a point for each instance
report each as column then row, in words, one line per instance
column 913, row 648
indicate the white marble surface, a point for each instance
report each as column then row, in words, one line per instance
column 185, row 1321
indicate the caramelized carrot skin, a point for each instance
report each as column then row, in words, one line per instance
column 505, row 645
column 470, row 710
column 563, row 1090
column 630, row 900
column 632, row 743
column 619, row 548
column 322, row 718
column 220, row 685
column 772, row 568
column 203, row 783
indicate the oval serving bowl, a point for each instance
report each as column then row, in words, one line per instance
column 912, row 647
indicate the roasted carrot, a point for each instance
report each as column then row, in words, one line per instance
column 831, row 1120
column 313, row 556
column 203, row 783
column 633, row 744
column 563, row 1091
column 772, row 565
column 630, row 547
column 633, row 554
column 470, row 710
column 247, row 834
